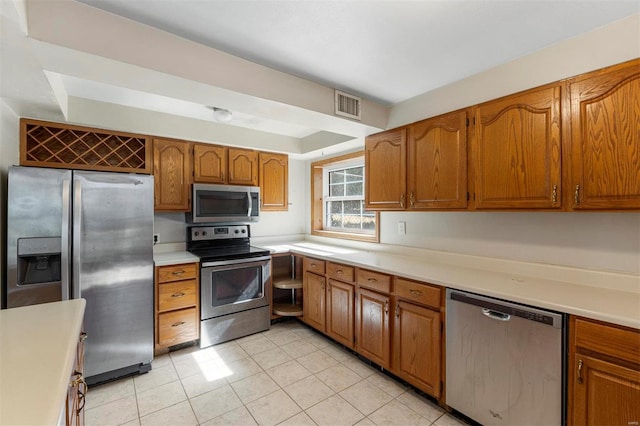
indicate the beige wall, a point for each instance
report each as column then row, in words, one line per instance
column 600, row 241
column 9, row 148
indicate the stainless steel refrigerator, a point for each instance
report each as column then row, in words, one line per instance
column 80, row 234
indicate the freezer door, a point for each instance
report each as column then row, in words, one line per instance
column 38, row 218
column 113, row 267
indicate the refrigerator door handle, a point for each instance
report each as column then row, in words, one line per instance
column 64, row 239
column 77, row 228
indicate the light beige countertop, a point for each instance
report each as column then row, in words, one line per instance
column 605, row 296
column 174, row 258
column 38, row 351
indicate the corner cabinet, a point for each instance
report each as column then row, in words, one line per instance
column 605, row 138
column 243, row 167
column 177, row 308
column 286, row 276
column 209, row 163
column 274, row 181
column 604, row 373
column 385, row 159
column 516, row 151
column 172, row 175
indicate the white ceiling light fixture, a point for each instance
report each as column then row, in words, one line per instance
column 222, row 115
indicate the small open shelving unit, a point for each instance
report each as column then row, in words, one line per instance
column 287, row 285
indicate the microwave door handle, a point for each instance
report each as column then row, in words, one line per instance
column 250, row 203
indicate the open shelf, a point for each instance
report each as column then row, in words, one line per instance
column 287, row 309
column 288, row 284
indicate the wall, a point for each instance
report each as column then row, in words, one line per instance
column 9, row 147
column 598, row 241
column 171, row 226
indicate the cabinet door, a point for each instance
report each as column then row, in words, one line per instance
column 437, row 162
column 605, row 141
column 516, row 151
column 416, row 344
column 372, row 327
column 209, row 163
column 385, row 159
column 313, row 300
column 340, row 312
column 605, row 393
column 172, row 175
column 274, row 181
column 243, row 167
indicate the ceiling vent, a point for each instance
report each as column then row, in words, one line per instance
column 347, row 105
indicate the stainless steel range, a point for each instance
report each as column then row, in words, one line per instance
column 234, row 282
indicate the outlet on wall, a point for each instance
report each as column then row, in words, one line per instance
column 402, row 227
column 156, row 238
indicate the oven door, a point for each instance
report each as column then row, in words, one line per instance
column 230, row 286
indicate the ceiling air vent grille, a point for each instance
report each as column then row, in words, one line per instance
column 347, row 105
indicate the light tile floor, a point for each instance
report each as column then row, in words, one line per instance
column 288, row 375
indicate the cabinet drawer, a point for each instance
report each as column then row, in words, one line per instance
column 374, row 281
column 313, row 265
column 176, row 295
column 177, row 327
column 618, row 342
column 177, row 272
column 341, row 272
column 417, row 292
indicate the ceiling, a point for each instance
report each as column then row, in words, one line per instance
column 384, row 51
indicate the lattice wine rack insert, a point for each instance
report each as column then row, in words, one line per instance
column 47, row 144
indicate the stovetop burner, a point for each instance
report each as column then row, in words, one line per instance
column 222, row 242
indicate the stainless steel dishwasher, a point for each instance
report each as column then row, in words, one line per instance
column 505, row 361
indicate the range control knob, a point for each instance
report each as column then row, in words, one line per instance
column 244, row 231
column 236, row 231
column 204, row 233
column 196, row 233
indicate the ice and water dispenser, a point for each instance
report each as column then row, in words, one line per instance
column 39, row 260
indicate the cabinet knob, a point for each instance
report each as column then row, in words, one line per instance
column 411, row 199
column 402, row 200
column 554, row 194
column 576, row 196
column 580, row 372
column 397, row 310
column 386, row 306
column 83, row 336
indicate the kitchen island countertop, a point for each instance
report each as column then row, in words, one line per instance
column 38, row 353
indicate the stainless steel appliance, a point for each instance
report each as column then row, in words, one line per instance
column 505, row 361
column 224, row 204
column 234, row 282
column 78, row 234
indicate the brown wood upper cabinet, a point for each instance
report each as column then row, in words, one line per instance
column 605, row 140
column 274, row 181
column 385, row 159
column 209, row 163
column 516, row 151
column 437, row 162
column 243, row 167
column 420, row 167
column 172, row 175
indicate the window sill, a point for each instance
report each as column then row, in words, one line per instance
column 373, row 238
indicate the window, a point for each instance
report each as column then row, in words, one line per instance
column 338, row 199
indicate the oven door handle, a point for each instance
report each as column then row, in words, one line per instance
column 236, row 261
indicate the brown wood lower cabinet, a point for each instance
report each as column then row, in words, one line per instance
column 314, row 300
column 340, row 312
column 74, row 408
column 604, row 374
column 416, row 346
column 373, row 330
column 177, row 305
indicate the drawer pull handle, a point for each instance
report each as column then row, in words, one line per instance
column 178, row 272
column 178, row 324
column 178, row 294
column 416, row 293
column 83, row 336
column 580, row 372
column 339, row 271
column 372, row 280
column 313, row 265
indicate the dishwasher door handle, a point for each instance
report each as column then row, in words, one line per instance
column 495, row 315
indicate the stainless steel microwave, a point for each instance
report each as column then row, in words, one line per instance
column 224, row 203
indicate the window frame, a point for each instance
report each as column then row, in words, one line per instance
column 319, row 173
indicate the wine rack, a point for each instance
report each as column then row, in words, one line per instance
column 48, row 144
